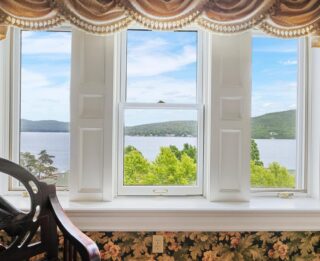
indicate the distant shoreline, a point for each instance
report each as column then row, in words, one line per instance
column 169, row 136
column 276, row 125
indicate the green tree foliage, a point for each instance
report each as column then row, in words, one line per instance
column 29, row 162
column 171, row 167
column 45, row 164
column 41, row 166
column 274, row 176
column 190, row 150
column 136, row 167
column 255, row 154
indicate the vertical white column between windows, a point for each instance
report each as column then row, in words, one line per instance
column 229, row 117
column 91, row 109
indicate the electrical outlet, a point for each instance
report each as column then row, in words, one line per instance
column 157, row 244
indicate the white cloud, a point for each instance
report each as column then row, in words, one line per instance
column 41, row 99
column 154, row 57
column 161, row 88
column 275, row 49
column 289, row 62
column 280, row 96
column 48, row 43
column 32, row 80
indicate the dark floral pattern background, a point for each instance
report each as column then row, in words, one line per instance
column 206, row 246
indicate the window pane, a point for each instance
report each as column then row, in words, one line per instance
column 45, row 93
column 161, row 67
column 274, row 104
column 160, row 147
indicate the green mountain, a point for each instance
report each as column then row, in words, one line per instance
column 277, row 125
column 44, row 126
column 169, row 128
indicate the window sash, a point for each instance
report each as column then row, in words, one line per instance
column 301, row 124
column 15, row 104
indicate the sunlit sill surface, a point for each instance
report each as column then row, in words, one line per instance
column 190, row 214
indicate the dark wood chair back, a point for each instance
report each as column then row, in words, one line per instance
column 43, row 220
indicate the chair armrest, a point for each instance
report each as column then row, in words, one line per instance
column 87, row 249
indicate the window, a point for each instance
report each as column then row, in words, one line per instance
column 146, row 131
column 278, row 94
column 161, row 114
column 41, row 144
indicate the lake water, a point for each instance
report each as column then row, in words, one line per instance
column 57, row 144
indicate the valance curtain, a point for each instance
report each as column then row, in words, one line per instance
column 281, row 18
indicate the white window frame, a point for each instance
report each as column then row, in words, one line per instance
column 302, row 125
column 198, row 106
column 15, row 103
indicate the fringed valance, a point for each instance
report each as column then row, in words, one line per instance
column 281, row 18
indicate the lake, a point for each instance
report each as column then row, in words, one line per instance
column 57, row 144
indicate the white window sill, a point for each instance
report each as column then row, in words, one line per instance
column 190, row 214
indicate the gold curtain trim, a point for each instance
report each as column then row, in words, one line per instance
column 85, row 24
column 3, row 32
column 161, row 17
column 281, row 18
column 296, row 32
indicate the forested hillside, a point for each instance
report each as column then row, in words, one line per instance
column 44, row 126
column 277, row 125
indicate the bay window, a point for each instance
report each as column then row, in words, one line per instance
column 159, row 113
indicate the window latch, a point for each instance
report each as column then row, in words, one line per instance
column 160, row 192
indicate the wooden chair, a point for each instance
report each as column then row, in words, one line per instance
column 44, row 217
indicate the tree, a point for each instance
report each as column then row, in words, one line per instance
column 255, row 154
column 188, row 170
column 171, row 167
column 179, row 167
column 129, row 149
column 176, row 151
column 166, row 168
column 41, row 166
column 275, row 176
column 45, row 162
column 136, row 168
column 29, row 162
column 190, row 150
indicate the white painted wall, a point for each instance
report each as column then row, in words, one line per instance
column 314, row 119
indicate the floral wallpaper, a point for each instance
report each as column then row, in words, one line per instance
column 207, row 246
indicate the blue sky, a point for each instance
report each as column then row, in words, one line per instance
column 274, row 75
column 161, row 66
column 45, row 75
